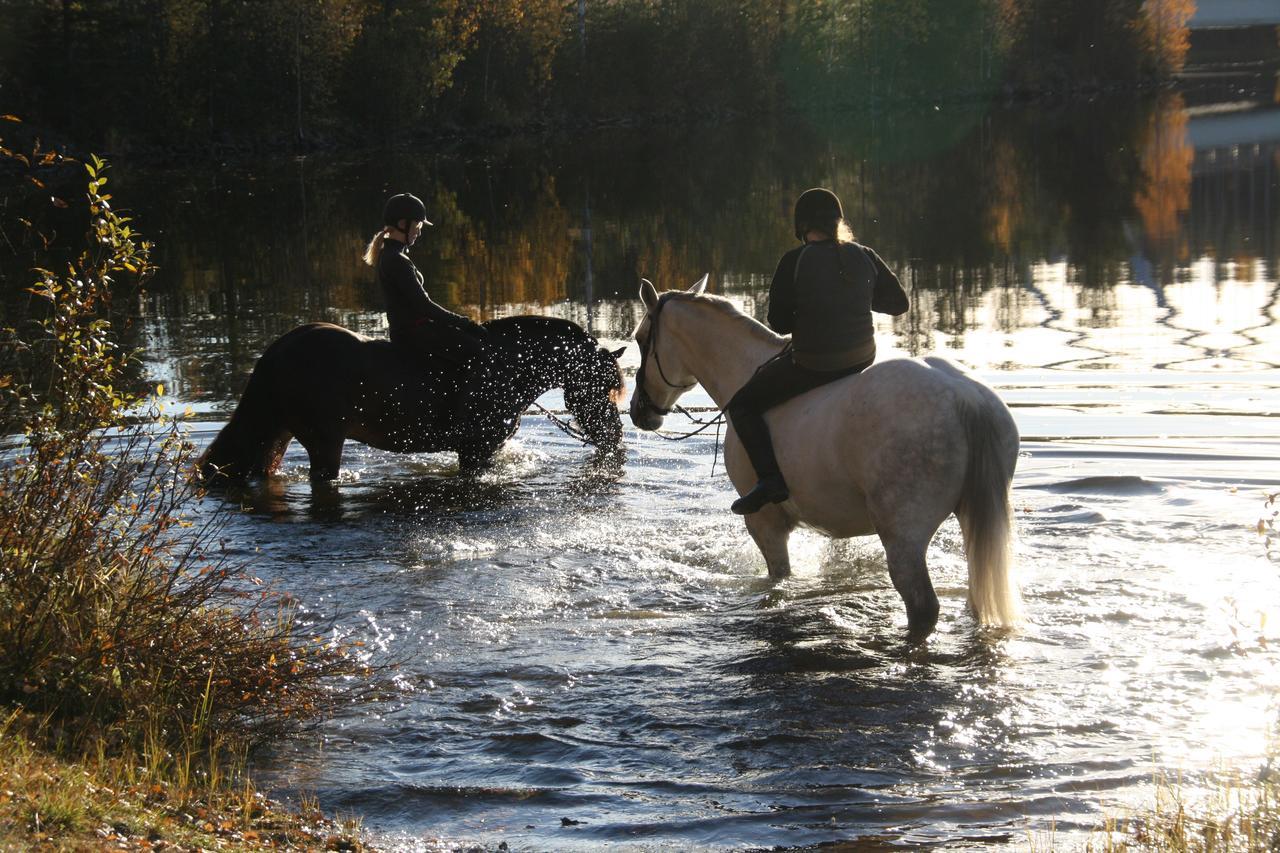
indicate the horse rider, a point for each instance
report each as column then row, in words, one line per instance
column 418, row 324
column 823, row 293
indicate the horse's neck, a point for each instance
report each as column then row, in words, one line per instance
column 721, row 350
column 539, row 368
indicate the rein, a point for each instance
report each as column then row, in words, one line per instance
column 572, row 431
column 568, row 428
column 719, row 419
column 704, row 425
column 565, row 426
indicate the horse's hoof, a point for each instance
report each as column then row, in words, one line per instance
column 919, row 628
column 470, row 464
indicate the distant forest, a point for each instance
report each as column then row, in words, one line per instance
column 122, row 73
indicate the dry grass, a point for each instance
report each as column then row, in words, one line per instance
column 1240, row 814
column 99, row 802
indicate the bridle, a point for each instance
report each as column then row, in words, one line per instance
column 651, row 348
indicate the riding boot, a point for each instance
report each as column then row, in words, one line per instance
column 477, row 410
column 770, row 489
column 753, row 432
column 465, row 398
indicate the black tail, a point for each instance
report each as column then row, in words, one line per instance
column 254, row 440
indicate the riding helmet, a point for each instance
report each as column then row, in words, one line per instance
column 817, row 209
column 404, row 206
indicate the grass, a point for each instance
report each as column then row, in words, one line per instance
column 50, row 802
column 1239, row 814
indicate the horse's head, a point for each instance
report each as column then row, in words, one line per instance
column 592, row 390
column 662, row 378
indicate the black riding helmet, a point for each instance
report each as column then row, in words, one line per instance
column 817, row 209
column 404, row 206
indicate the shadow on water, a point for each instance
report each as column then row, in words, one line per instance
column 848, row 732
column 384, row 490
column 280, row 498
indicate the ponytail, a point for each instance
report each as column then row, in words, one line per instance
column 374, row 248
column 836, row 229
column 842, row 234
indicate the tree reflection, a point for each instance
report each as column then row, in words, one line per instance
column 963, row 202
column 1166, row 157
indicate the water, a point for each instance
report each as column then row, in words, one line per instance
column 594, row 655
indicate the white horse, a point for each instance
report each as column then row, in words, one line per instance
column 893, row 450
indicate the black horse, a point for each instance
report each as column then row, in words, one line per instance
column 323, row 384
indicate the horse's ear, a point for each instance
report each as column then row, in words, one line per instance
column 699, row 285
column 618, row 352
column 648, row 294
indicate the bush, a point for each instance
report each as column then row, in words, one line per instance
column 121, row 620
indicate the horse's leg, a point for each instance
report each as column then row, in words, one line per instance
column 910, row 575
column 475, row 458
column 325, row 450
column 771, row 527
column 274, row 454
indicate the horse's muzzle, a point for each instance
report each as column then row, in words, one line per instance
column 644, row 414
column 608, row 437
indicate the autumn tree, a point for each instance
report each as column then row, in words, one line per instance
column 404, row 59
column 1164, row 37
column 508, row 72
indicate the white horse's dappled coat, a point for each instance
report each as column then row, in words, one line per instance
column 893, row 450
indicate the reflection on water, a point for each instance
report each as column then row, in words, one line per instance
column 1049, row 218
column 594, row 653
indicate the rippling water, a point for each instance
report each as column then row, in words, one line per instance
column 594, row 654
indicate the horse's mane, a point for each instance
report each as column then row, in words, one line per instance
column 723, row 306
column 552, row 328
column 558, row 324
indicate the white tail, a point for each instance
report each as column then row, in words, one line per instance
column 986, row 516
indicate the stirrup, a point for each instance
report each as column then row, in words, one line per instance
column 770, row 490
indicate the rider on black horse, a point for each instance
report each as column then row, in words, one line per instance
column 417, row 323
column 419, row 326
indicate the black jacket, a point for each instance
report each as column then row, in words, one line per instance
column 824, row 301
column 407, row 302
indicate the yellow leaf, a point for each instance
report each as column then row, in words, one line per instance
column 160, row 390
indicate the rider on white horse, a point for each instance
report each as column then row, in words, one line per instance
column 823, row 294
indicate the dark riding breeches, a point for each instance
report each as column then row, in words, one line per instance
column 774, row 383
column 469, row 359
